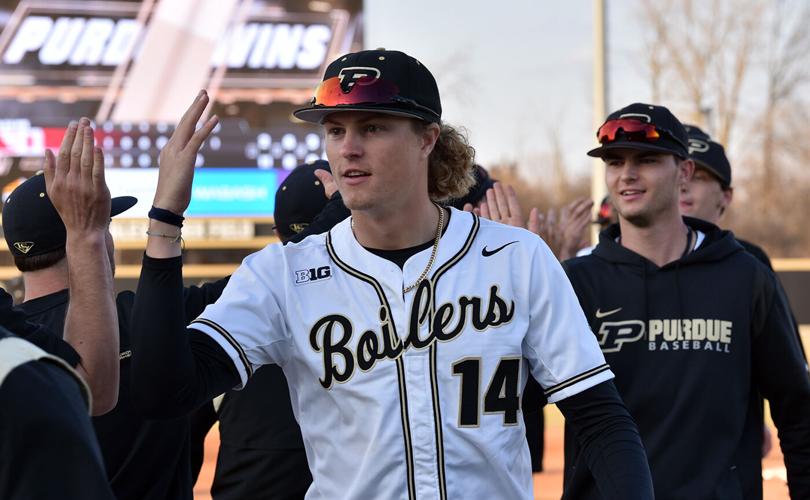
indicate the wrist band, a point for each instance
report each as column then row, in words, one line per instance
column 175, row 238
column 167, row 216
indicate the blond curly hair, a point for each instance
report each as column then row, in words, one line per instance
column 451, row 163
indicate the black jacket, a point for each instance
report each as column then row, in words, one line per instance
column 144, row 459
column 47, row 445
column 692, row 345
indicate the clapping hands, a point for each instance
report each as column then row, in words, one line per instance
column 565, row 233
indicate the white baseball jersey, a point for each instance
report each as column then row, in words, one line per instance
column 415, row 396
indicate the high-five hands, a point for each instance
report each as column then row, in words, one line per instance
column 564, row 235
column 502, row 206
column 574, row 220
column 75, row 182
column 177, row 158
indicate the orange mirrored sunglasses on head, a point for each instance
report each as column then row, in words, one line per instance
column 633, row 130
column 365, row 90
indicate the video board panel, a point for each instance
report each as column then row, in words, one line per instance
column 60, row 60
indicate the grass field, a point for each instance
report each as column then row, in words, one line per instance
column 548, row 484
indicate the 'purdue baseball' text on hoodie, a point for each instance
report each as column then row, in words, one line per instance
column 692, row 345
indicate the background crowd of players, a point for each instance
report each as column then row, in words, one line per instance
column 52, row 224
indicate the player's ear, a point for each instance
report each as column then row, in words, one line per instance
column 686, row 170
column 428, row 136
column 728, row 195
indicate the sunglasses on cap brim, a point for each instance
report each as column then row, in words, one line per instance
column 632, row 130
column 364, row 91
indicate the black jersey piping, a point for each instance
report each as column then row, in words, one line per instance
column 434, row 383
column 403, row 393
column 576, row 379
column 228, row 338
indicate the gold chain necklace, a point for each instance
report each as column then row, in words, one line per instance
column 433, row 252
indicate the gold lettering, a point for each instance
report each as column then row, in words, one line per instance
column 725, row 332
column 712, row 330
column 698, row 329
column 656, row 328
column 671, row 329
column 686, row 330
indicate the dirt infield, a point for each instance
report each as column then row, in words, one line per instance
column 548, row 484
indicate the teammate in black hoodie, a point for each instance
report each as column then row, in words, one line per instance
column 693, row 327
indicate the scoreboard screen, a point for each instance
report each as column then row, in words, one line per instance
column 134, row 66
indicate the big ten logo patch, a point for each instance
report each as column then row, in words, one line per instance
column 305, row 276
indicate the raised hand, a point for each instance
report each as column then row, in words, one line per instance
column 75, row 182
column 574, row 220
column 177, row 158
column 502, row 206
column 546, row 227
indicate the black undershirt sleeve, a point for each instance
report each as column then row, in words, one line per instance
column 610, row 442
column 174, row 369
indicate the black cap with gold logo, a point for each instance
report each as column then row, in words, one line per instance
column 299, row 198
column 31, row 224
column 383, row 81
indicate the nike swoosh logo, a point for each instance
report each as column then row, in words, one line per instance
column 488, row 253
column 600, row 314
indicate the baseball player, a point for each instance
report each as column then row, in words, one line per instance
column 708, row 193
column 126, row 438
column 144, row 459
column 45, row 402
column 407, row 332
column 694, row 327
column 90, row 345
column 47, row 446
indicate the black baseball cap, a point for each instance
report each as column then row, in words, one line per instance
column 709, row 155
column 645, row 127
column 478, row 192
column 31, row 224
column 299, row 199
column 384, row 81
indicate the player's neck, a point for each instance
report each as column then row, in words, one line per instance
column 661, row 242
column 396, row 229
column 46, row 281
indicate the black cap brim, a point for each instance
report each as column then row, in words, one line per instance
column 121, row 204
column 317, row 115
column 705, row 166
column 640, row 146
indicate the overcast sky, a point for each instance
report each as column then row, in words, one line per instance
column 514, row 72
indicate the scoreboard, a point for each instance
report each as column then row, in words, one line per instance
column 125, row 64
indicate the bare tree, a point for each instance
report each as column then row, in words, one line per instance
column 701, row 52
column 723, row 59
column 787, row 72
